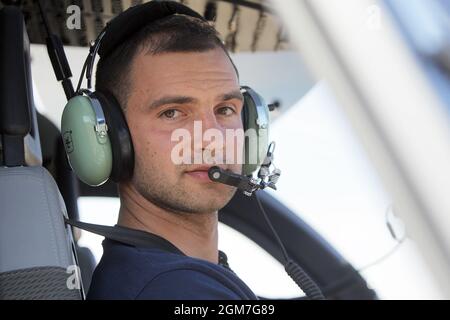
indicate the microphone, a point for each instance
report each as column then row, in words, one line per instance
column 248, row 185
column 243, row 183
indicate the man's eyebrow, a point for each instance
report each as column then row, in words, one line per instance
column 172, row 100
column 236, row 94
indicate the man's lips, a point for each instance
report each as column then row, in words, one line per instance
column 199, row 173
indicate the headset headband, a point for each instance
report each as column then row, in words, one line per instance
column 135, row 18
column 128, row 23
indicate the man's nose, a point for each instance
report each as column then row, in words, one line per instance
column 209, row 121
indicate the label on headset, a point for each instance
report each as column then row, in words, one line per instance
column 68, row 142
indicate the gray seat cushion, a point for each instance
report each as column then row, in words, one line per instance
column 34, row 241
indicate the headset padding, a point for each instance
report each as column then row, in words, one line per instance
column 120, row 137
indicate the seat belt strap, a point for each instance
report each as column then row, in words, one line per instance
column 136, row 238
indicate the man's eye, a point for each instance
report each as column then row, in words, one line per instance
column 226, row 111
column 171, row 114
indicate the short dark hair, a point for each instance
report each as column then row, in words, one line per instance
column 175, row 33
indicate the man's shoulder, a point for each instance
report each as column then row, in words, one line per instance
column 126, row 272
column 190, row 283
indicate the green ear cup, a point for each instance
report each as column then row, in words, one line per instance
column 88, row 150
column 256, row 126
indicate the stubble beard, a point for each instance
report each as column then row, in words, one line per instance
column 178, row 198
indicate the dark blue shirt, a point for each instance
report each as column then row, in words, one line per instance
column 129, row 272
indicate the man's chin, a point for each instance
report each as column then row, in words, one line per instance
column 215, row 195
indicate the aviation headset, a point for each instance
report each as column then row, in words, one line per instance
column 96, row 136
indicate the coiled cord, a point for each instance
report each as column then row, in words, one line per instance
column 300, row 277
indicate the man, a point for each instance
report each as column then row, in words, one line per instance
column 171, row 73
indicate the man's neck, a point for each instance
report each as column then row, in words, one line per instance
column 195, row 234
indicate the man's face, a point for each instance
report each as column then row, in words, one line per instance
column 170, row 91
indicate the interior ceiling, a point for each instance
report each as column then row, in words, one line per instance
column 243, row 25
